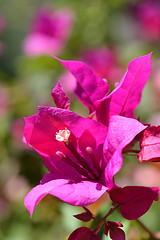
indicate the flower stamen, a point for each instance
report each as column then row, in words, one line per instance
column 63, row 135
column 67, row 160
column 90, row 152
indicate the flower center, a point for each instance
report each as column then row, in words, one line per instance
column 82, row 166
column 63, row 135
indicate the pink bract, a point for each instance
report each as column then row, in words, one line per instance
column 124, row 99
column 121, row 132
column 49, row 32
column 150, row 145
column 90, row 87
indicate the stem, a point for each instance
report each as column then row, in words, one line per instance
column 113, row 208
column 96, row 230
column 152, row 235
column 131, row 154
column 131, row 151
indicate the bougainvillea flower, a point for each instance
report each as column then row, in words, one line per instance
column 93, row 91
column 103, row 61
column 72, row 149
column 83, row 233
column 49, row 32
column 150, row 145
column 134, row 201
column 113, row 228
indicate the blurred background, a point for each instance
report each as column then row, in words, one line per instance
column 106, row 35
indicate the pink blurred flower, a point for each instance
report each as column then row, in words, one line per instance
column 146, row 175
column 103, row 61
column 49, row 32
column 148, row 13
column 156, row 80
column 154, row 119
column 16, row 130
column 15, row 188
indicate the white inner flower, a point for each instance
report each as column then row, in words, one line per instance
column 63, row 135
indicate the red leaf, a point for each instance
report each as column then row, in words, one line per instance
column 117, row 234
column 85, row 216
column 83, row 233
column 134, row 201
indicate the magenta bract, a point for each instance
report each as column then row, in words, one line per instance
column 127, row 95
column 60, row 98
column 90, row 87
column 93, row 91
